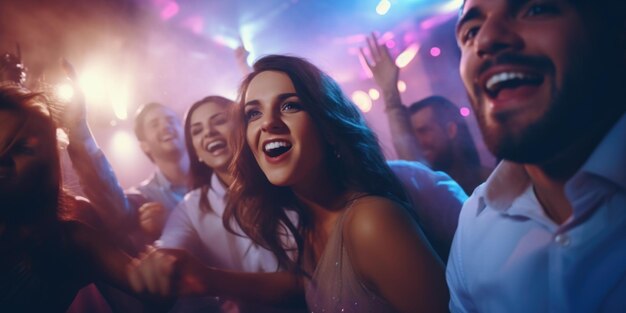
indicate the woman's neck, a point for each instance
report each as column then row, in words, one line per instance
column 325, row 206
column 321, row 195
column 224, row 176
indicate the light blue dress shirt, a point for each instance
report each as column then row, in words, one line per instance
column 158, row 189
column 508, row 256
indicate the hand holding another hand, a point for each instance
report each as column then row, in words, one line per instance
column 152, row 218
column 167, row 273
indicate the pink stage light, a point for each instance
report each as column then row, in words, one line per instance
column 465, row 112
column 170, row 9
column 195, row 24
column 435, row 52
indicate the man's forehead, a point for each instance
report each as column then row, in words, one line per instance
column 469, row 4
column 424, row 116
column 160, row 112
column 476, row 9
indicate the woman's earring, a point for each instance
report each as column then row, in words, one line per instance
column 337, row 154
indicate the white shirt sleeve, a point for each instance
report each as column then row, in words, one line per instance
column 179, row 232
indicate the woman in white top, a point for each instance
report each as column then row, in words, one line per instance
column 196, row 223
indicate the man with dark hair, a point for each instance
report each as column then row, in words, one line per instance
column 144, row 208
column 141, row 212
column 431, row 130
column 547, row 231
column 160, row 135
column 445, row 141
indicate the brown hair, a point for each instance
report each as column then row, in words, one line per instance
column 259, row 207
column 39, row 207
column 200, row 172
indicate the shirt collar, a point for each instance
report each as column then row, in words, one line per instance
column 217, row 186
column 608, row 160
column 164, row 183
column 509, row 180
column 162, row 180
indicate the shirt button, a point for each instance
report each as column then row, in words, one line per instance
column 562, row 239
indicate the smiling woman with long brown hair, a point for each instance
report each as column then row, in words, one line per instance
column 311, row 184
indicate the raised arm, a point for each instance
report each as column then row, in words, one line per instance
column 241, row 57
column 97, row 178
column 386, row 74
column 390, row 253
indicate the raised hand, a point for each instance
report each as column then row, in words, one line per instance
column 241, row 56
column 74, row 112
column 384, row 69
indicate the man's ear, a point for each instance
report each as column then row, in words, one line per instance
column 451, row 130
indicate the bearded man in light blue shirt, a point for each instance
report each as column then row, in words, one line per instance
column 547, row 231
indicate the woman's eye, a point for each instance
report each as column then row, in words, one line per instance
column 195, row 131
column 251, row 115
column 220, row 121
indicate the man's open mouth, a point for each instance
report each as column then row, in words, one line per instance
column 510, row 80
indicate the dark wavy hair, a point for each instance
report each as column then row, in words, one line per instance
column 39, row 207
column 260, row 208
column 200, row 172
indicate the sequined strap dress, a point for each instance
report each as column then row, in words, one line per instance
column 335, row 286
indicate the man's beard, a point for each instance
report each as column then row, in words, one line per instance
column 574, row 112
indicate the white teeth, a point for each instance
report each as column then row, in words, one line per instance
column 275, row 144
column 214, row 144
column 504, row 76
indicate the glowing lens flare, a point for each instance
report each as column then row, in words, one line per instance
column 465, row 112
column 407, row 55
column 362, row 100
column 383, row 7
column 65, row 92
column 374, row 94
column 401, row 86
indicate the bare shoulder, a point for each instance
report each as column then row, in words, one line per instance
column 373, row 216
